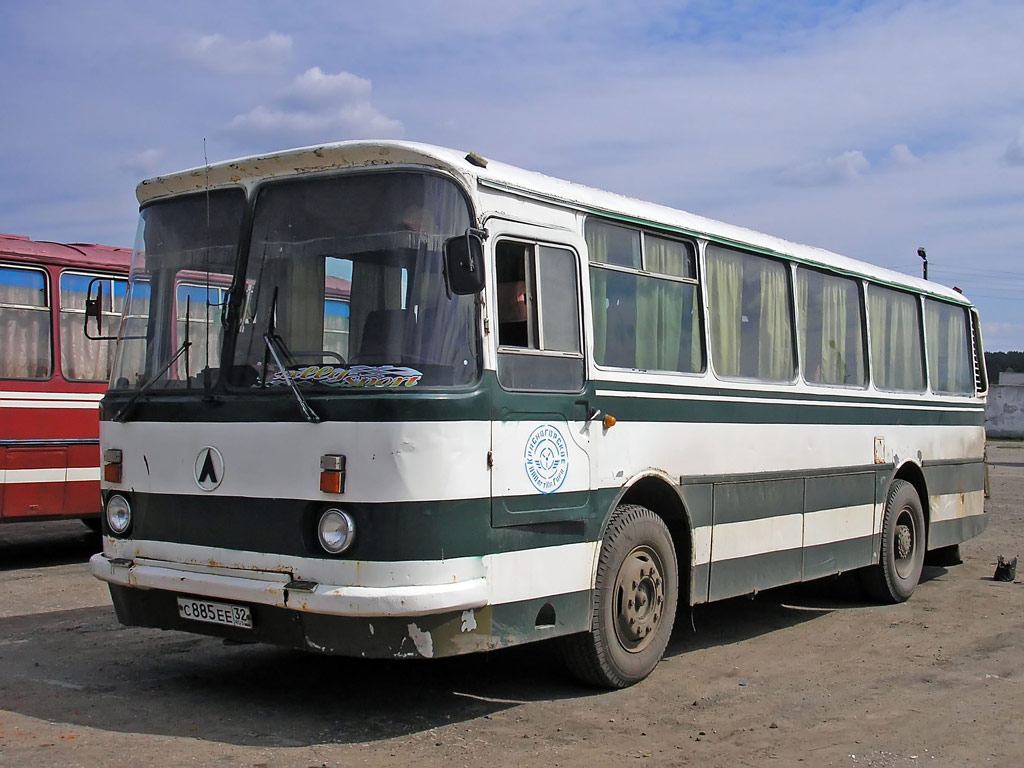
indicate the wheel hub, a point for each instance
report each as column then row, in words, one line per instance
column 639, row 599
column 904, row 541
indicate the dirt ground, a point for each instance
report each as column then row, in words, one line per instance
column 799, row 676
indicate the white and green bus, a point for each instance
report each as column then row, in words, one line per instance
column 452, row 405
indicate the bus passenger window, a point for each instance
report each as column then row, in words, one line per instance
column 24, row 324
column 896, row 359
column 949, row 363
column 830, row 328
column 750, row 315
column 643, row 290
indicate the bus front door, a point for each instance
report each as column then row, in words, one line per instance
column 540, row 441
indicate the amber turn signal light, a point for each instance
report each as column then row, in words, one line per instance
column 332, row 473
column 112, row 465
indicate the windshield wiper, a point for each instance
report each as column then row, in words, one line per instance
column 277, row 349
column 307, row 411
column 123, row 413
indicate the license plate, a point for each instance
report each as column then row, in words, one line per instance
column 215, row 613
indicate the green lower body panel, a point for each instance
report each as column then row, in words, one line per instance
column 945, row 533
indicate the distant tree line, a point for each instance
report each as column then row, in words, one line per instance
column 996, row 362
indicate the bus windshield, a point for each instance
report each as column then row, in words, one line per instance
column 345, row 289
column 185, row 253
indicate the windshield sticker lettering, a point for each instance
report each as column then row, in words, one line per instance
column 363, row 376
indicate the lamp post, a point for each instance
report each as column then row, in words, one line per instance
column 924, row 258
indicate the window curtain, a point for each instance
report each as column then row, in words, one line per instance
column 948, row 361
column 659, row 315
column 879, row 334
column 905, row 344
column 895, row 340
column 835, row 319
column 775, row 344
column 24, row 333
column 203, row 325
column 725, row 299
column 830, row 315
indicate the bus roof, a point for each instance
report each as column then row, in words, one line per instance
column 497, row 175
column 86, row 255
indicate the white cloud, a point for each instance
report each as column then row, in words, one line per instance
column 313, row 87
column 1014, row 154
column 845, row 168
column 238, row 57
column 317, row 107
column 145, row 163
column 900, row 156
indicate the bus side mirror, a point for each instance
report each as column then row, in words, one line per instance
column 464, row 262
column 94, row 309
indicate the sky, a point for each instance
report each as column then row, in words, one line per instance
column 867, row 128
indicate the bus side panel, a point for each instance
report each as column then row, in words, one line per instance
column 82, row 494
column 750, row 518
column 956, row 502
column 839, row 516
column 34, row 480
column 698, row 499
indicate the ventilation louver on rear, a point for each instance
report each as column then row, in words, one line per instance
column 980, row 375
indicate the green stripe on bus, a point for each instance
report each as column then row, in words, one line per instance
column 839, row 490
column 744, row 575
column 955, row 477
column 837, row 556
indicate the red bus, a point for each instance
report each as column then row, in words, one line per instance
column 52, row 377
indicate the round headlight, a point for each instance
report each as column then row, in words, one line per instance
column 119, row 513
column 336, row 531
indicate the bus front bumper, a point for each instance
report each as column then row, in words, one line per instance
column 281, row 591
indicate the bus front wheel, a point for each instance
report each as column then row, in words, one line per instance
column 903, row 544
column 634, row 603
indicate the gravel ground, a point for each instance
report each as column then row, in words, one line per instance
column 807, row 675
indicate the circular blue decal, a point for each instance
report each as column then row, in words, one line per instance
column 546, row 458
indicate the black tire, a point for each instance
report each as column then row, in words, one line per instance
column 634, row 606
column 92, row 523
column 903, row 544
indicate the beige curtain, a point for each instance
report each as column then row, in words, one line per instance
column 659, row 314
column 835, row 320
column 725, row 300
column 82, row 358
column 895, row 340
column 24, row 329
column 828, row 309
column 948, row 360
column 775, row 340
column 204, row 327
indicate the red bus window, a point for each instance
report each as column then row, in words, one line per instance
column 81, row 358
column 24, row 324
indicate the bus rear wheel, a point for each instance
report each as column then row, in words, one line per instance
column 903, row 544
column 634, row 607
